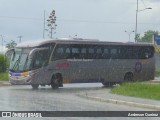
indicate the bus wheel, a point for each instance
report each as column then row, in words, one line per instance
column 108, row 84
column 56, row 81
column 128, row 77
column 35, row 86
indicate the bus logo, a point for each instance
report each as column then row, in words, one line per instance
column 62, row 65
column 138, row 67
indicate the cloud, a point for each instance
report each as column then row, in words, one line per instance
column 154, row 0
column 103, row 19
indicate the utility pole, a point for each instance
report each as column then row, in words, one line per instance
column 20, row 39
column 136, row 22
column 137, row 10
column 44, row 24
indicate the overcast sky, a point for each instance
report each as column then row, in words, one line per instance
column 98, row 19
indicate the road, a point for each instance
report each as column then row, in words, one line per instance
column 24, row 98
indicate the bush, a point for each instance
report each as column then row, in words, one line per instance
column 4, row 76
column 3, row 63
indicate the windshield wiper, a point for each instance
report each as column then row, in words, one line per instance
column 25, row 63
column 16, row 63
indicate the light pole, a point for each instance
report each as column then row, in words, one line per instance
column 137, row 10
column 20, row 38
column 129, row 33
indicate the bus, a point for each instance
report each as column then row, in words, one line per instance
column 76, row 60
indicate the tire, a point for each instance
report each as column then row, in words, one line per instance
column 128, row 77
column 35, row 86
column 56, row 81
column 108, row 84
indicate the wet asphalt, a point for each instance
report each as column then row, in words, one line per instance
column 24, row 98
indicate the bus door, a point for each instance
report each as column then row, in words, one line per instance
column 39, row 64
column 146, row 62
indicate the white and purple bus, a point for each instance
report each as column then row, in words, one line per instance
column 58, row 61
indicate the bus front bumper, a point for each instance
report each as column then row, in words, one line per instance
column 18, row 80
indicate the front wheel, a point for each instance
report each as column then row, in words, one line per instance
column 56, row 81
column 35, row 86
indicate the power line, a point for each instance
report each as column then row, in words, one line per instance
column 74, row 20
column 25, row 18
column 105, row 22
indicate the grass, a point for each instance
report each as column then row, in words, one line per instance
column 4, row 77
column 142, row 90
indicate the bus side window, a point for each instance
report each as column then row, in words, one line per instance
column 67, row 54
column 40, row 59
column 146, row 52
column 58, row 54
column 91, row 52
column 105, row 54
column 114, row 53
column 83, row 53
column 128, row 52
column 75, row 53
column 98, row 53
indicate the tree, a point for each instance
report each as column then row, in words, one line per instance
column 11, row 44
column 148, row 36
column 138, row 38
column 3, row 63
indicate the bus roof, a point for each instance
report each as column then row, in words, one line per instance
column 37, row 43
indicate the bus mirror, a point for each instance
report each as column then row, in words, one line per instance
column 9, row 52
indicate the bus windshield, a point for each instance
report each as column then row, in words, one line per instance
column 19, row 60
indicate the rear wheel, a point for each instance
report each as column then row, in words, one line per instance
column 128, row 77
column 35, row 86
column 108, row 84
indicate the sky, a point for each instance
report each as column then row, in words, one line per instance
column 98, row 19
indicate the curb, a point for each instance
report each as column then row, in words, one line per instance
column 155, row 81
column 2, row 83
column 121, row 102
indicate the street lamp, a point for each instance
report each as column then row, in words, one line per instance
column 137, row 10
column 20, row 38
column 129, row 33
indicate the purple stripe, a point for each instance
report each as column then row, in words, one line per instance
column 15, row 74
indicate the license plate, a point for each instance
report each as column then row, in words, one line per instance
column 17, row 77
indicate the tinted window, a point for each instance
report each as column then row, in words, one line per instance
column 129, row 52
column 40, row 59
column 106, row 53
column 146, row 52
column 78, row 51
column 114, row 52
